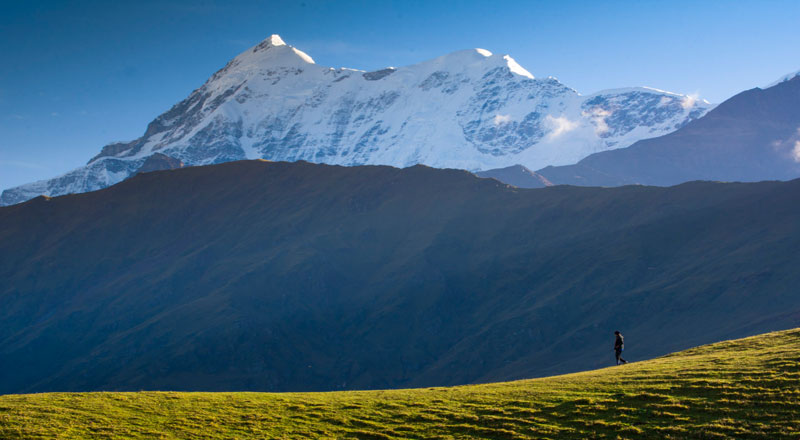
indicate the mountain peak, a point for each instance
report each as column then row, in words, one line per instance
column 514, row 67
column 273, row 50
column 480, row 58
column 271, row 41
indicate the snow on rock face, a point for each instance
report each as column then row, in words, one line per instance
column 469, row 109
column 784, row 78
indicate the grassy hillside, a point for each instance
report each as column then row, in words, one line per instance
column 746, row 388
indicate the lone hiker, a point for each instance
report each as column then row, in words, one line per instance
column 619, row 345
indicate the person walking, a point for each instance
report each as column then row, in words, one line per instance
column 619, row 345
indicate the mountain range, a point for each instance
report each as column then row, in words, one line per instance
column 255, row 275
column 752, row 136
column 469, row 110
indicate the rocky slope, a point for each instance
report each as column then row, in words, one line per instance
column 470, row 109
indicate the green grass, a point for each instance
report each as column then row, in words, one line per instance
column 747, row 388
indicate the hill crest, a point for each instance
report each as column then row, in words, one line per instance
column 742, row 388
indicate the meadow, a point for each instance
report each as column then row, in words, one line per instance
column 746, row 388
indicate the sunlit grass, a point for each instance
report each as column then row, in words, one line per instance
column 747, row 388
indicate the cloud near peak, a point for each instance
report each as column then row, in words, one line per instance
column 559, row 125
column 688, row 101
column 796, row 151
column 501, row 119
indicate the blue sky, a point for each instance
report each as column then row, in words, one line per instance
column 75, row 75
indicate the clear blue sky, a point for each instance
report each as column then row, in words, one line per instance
column 75, row 75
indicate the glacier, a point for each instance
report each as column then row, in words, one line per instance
column 470, row 109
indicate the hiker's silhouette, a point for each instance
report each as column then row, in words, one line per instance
column 619, row 345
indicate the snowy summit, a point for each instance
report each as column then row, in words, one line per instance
column 470, row 109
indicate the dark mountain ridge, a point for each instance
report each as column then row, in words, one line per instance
column 516, row 175
column 278, row 276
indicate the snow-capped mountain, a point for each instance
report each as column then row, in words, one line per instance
column 751, row 137
column 469, row 109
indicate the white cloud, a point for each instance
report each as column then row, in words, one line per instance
column 689, row 100
column 501, row 119
column 598, row 116
column 559, row 125
column 796, row 151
